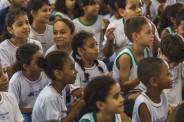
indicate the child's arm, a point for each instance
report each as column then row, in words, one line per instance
column 125, row 64
column 109, row 47
column 144, row 113
column 125, row 118
column 74, row 111
column 77, row 92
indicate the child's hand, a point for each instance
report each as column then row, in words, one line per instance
column 147, row 3
column 109, row 34
column 161, row 8
column 105, row 24
column 171, row 116
column 109, row 74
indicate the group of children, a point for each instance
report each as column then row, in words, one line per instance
column 64, row 62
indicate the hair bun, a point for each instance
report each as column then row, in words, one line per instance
column 41, row 62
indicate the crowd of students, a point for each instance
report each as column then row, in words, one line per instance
column 91, row 60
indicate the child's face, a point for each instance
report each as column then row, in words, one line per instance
column 93, row 8
column 145, row 37
column 180, row 28
column 43, row 14
column 62, row 33
column 114, row 102
column 132, row 9
column 70, row 4
column 90, row 50
column 20, row 28
column 20, row 3
column 69, row 71
column 3, row 79
column 33, row 68
column 165, row 78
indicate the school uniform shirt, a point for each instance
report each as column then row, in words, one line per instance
column 54, row 48
column 9, row 109
column 80, row 81
column 155, row 4
column 8, row 51
column 91, row 117
column 158, row 111
column 174, row 94
column 121, row 41
column 94, row 28
column 46, row 38
column 50, row 105
column 4, row 7
column 54, row 14
column 133, row 67
column 27, row 91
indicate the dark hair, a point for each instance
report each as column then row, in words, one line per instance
column 179, row 114
column 180, row 16
column 172, row 46
column 149, row 67
column 170, row 11
column 35, row 5
column 53, row 61
column 112, row 4
column 134, row 24
column 24, row 55
column 121, row 3
column 68, row 22
column 96, row 90
column 11, row 17
column 77, row 42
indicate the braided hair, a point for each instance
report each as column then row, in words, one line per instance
column 78, row 42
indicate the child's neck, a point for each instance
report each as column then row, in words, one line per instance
column 38, row 27
column 31, row 76
column 58, row 86
column 67, row 48
column 104, row 117
column 88, row 19
column 87, row 63
column 17, row 42
column 154, row 94
column 70, row 14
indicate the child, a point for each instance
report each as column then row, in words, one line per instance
column 16, row 32
column 171, row 50
column 9, row 111
column 51, row 104
column 168, row 20
column 139, row 32
column 28, row 80
column 39, row 11
column 103, row 101
column 152, row 105
column 180, row 22
column 63, row 31
column 114, row 9
column 91, row 22
column 85, row 53
column 64, row 9
column 116, row 39
column 179, row 113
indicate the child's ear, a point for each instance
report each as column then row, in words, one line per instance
column 9, row 29
column 135, row 36
column 100, row 105
column 80, row 51
column 121, row 12
column 159, row 52
column 33, row 13
column 25, row 66
column 173, row 20
column 153, row 82
column 58, row 74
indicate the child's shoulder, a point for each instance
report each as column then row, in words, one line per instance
column 7, row 96
column 89, row 117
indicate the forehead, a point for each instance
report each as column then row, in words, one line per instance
column 21, row 17
column 147, row 26
column 133, row 2
column 60, row 25
column 114, row 89
column 90, row 40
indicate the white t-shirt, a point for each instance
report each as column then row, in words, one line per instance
column 27, row 91
column 91, row 117
column 93, row 72
column 8, row 51
column 174, row 94
column 50, row 105
column 133, row 68
column 94, row 28
column 9, row 109
column 54, row 48
column 158, row 111
column 155, row 4
column 46, row 38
